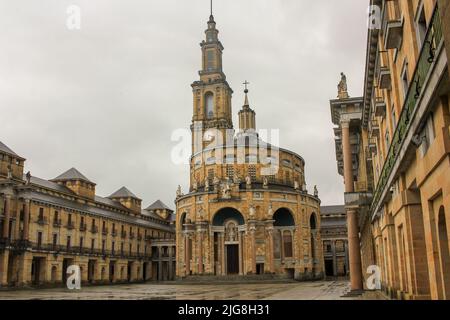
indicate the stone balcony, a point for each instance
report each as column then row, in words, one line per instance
column 393, row 34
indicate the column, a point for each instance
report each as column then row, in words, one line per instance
column 160, row 269
column 270, row 249
column 24, row 269
column 170, row 263
column 352, row 219
column 253, row 248
column 240, row 253
column 7, row 216
column 333, row 252
column 17, row 224
column 4, row 258
column 187, row 254
column 222, row 253
column 200, row 251
column 26, row 220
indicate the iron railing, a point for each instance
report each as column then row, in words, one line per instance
column 427, row 56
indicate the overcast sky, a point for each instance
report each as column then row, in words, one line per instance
column 105, row 99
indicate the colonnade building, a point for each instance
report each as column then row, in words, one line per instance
column 393, row 150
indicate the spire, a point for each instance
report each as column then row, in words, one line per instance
column 247, row 117
column 211, row 17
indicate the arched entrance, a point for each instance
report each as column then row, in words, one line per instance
column 283, row 237
column 228, row 228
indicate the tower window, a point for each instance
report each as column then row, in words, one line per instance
column 210, row 60
column 209, row 105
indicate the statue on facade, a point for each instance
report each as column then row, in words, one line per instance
column 316, row 192
column 265, row 182
column 342, row 87
column 179, row 193
column 304, row 187
column 226, row 192
column 9, row 172
column 252, row 211
column 236, row 179
column 206, row 184
column 270, row 211
column 28, row 176
column 216, row 183
column 248, row 181
column 200, row 214
column 195, row 185
column 296, row 185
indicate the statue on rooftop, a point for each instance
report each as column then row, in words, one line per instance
column 342, row 87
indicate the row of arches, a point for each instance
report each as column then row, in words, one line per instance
column 282, row 217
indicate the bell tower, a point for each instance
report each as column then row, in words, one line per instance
column 212, row 94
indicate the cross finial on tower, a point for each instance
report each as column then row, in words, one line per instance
column 246, row 83
column 211, row 7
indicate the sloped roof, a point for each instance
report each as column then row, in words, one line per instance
column 158, row 204
column 71, row 174
column 123, row 193
column 332, row 209
column 5, row 149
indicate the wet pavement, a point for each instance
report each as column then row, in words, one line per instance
column 332, row 290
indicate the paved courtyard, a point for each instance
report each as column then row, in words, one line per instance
column 259, row 291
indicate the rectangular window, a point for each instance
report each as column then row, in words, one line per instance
column 404, row 79
column 55, row 240
column 39, row 240
column 230, row 172
column 287, row 241
column 421, row 27
column 41, row 214
column 92, row 244
column 68, row 242
column 427, row 135
column 393, row 118
column 210, row 60
column 81, row 242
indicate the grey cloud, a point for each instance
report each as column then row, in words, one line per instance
column 106, row 99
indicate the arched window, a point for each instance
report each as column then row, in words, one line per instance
column 209, row 105
column 312, row 222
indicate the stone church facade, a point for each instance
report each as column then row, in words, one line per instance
column 247, row 211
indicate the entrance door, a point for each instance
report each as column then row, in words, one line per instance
column 260, row 268
column 329, row 270
column 232, row 259
column 130, row 264
column 111, row 271
column 66, row 264
column 144, row 271
column 35, row 270
column 91, row 270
